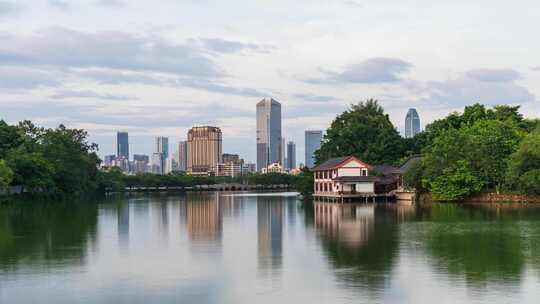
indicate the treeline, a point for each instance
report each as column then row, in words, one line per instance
column 115, row 180
column 479, row 150
column 55, row 161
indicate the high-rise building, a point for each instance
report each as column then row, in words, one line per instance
column 231, row 158
column 182, row 155
column 204, row 150
column 141, row 157
column 108, row 160
column 162, row 146
column 412, row 123
column 291, row 155
column 122, row 145
column 158, row 163
column 269, row 148
column 313, row 143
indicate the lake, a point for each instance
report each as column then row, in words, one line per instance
column 266, row 248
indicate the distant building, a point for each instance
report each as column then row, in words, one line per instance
column 313, row 143
column 162, row 146
column 122, row 163
column 108, row 160
column 274, row 168
column 204, row 150
column 140, row 163
column 182, row 156
column 158, row 163
column 269, row 140
column 122, row 145
column 231, row 158
column 291, row 155
column 249, row 168
column 230, row 169
column 412, row 123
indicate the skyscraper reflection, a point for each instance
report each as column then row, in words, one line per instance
column 123, row 224
column 270, row 232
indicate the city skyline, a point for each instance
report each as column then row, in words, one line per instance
column 164, row 73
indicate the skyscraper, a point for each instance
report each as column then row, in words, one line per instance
column 269, row 148
column 182, row 155
column 412, row 123
column 122, row 145
column 313, row 143
column 204, row 150
column 291, row 155
column 162, row 146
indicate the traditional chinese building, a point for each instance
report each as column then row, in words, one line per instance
column 350, row 177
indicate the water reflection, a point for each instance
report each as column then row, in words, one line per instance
column 203, row 217
column 360, row 241
column 270, row 232
column 41, row 236
column 223, row 248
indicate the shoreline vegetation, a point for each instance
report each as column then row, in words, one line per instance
column 482, row 150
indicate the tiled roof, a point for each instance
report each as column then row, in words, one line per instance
column 331, row 163
column 409, row 163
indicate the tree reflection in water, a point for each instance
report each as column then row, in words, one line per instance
column 38, row 235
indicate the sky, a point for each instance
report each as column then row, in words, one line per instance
column 157, row 68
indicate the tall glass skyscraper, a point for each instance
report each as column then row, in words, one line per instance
column 162, row 146
column 269, row 142
column 412, row 123
column 291, row 155
column 313, row 143
column 122, row 145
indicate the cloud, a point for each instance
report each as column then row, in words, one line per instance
column 60, row 4
column 64, row 94
column 352, row 4
column 227, row 46
column 24, row 78
column 118, row 78
column 490, row 87
column 8, row 8
column 494, row 75
column 60, row 47
column 111, row 3
column 374, row 70
column 314, row 98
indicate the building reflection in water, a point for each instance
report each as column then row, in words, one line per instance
column 160, row 211
column 351, row 225
column 123, row 224
column 203, row 217
column 360, row 242
column 270, row 232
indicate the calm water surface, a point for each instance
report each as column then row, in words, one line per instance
column 271, row 248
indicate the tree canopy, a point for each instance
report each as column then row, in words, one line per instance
column 50, row 161
column 364, row 130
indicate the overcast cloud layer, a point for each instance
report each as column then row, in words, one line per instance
column 156, row 68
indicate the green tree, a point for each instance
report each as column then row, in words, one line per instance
column 485, row 146
column 6, row 175
column 364, row 130
column 31, row 171
column 303, row 182
column 524, row 165
column 455, row 182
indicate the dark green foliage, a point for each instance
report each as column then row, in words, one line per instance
column 524, row 165
column 304, row 181
column 6, row 175
column 455, row 182
column 49, row 161
column 365, row 131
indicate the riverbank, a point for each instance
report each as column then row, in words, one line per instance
column 485, row 198
column 214, row 187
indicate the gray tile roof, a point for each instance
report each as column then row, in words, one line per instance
column 331, row 163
